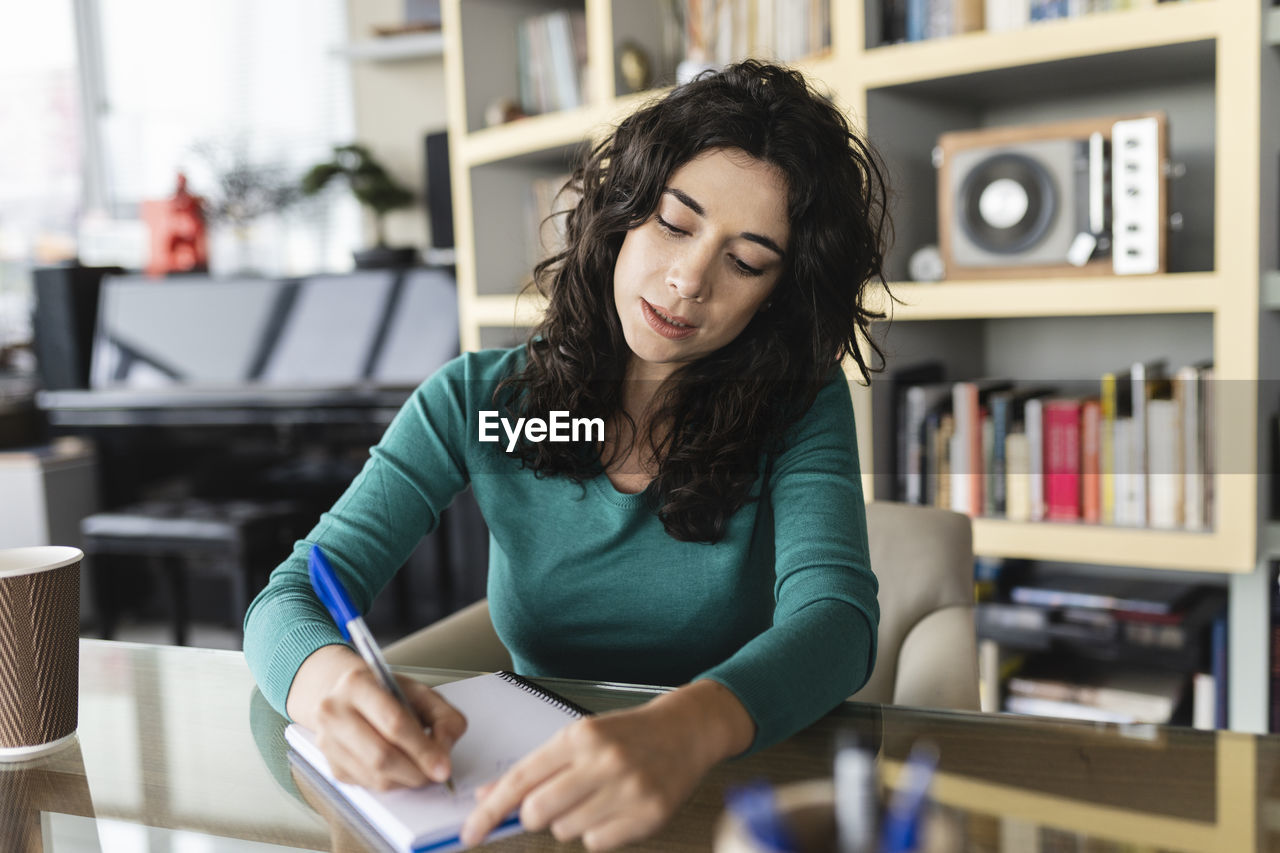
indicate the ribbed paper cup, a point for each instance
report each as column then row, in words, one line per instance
column 39, row 649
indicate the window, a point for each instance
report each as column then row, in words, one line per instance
column 40, row 152
column 104, row 102
column 198, row 87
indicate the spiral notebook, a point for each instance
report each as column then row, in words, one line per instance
column 507, row 717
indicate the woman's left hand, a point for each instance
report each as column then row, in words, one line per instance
column 620, row 776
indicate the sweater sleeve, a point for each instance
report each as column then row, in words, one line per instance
column 822, row 645
column 411, row 476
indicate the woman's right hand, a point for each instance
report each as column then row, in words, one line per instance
column 368, row 738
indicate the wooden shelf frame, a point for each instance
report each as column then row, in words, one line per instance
column 1174, row 293
column 398, row 48
column 1047, row 41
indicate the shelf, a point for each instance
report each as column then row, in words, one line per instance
column 394, row 48
column 1271, row 291
column 1091, row 543
column 551, row 130
column 1088, row 37
column 821, row 67
column 507, row 310
column 1175, row 293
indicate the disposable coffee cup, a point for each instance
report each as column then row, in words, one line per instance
column 39, row 649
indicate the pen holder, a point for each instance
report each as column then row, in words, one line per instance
column 39, row 650
column 807, row 808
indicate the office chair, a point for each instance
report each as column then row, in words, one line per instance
column 928, row 649
column 927, row 652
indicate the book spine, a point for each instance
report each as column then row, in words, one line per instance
column 1062, row 460
column 942, row 447
column 1090, row 463
column 1187, row 391
column 560, row 56
column 998, row 484
column 1163, row 476
column 968, row 16
column 1033, row 415
column 962, row 463
column 1017, row 478
column 1208, row 392
column 988, row 471
column 1106, row 449
column 913, row 445
column 1275, row 651
column 976, row 469
column 917, row 12
column 1218, row 650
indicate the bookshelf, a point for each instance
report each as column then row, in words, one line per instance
column 1207, row 63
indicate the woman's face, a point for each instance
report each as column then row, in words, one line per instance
column 690, row 278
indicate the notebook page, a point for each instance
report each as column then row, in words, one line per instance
column 504, row 723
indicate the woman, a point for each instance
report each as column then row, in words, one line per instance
column 714, row 539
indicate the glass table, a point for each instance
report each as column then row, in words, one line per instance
column 178, row 752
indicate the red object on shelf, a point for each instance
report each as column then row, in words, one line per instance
column 178, row 239
column 1062, row 460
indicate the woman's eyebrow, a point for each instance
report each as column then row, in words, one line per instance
column 691, row 203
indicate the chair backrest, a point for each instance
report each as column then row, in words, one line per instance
column 927, row 652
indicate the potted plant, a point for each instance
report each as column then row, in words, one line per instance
column 240, row 191
column 374, row 188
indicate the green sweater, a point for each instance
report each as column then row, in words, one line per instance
column 583, row 580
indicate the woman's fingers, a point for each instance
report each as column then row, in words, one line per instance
column 401, row 728
column 510, row 790
column 360, row 754
column 557, row 796
column 593, row 810
column 446, row 722
column 620, row 830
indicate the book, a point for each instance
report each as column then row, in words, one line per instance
column 507, row 717
column 1090, row 461
column 1164, row 464
column 1120, row 693
column 921, row 401
column 1062, row 460
column 1017, row 489
column 1107, row 448
column 1063, row 589
column 968, row 470
column 1145, row 378
column 1034, row 419
column 1186, row 391
column 908, row 413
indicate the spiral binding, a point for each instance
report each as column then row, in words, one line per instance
column 538, row 690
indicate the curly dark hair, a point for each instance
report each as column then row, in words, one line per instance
column 724, row 410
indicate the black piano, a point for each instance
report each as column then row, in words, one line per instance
column 222, row 389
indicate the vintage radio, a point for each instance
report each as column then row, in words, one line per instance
column 1083, row 197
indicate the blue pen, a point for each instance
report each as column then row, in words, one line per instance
column 902, row 820
column 757, row 807
column 334, row 596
